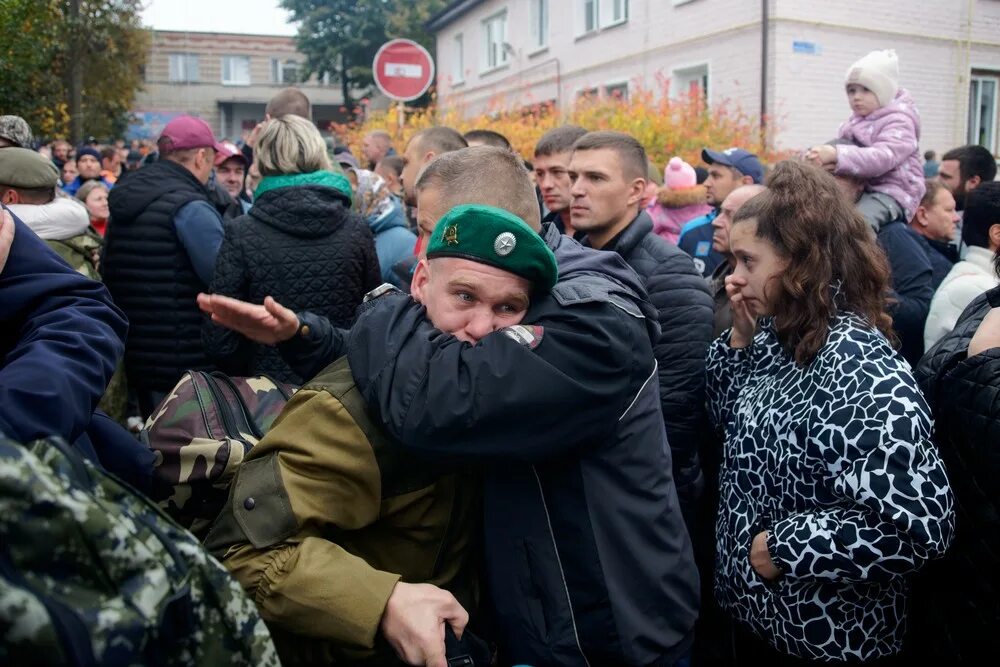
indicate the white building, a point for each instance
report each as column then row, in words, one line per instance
column 786, row 58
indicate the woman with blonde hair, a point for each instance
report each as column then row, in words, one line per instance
column 300, row 243
column 831, row 492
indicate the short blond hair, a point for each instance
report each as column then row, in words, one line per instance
column 290, row 145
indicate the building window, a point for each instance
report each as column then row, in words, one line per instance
column 616, row 91
column 587, row 94
column 539, row 23
column 495, row 41
column 616, row 11
column 458, row 71
column 589, row 11
column 284, row 72
column 236, row 70
column 690, row 81
column 983, row 110
column 183, row 67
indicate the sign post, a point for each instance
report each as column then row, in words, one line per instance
column 403, row 71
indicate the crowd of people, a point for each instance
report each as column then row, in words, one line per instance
column 557, row 409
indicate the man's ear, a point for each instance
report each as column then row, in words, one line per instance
column 636, row 190
column 920, row 217
column 746, row 180
column 972, row 183
column 421, row 276
column 10, row 197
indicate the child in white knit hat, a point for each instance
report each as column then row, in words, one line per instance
column 883, row 141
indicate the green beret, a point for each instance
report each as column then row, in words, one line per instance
column 496, row 237
column 24, row 168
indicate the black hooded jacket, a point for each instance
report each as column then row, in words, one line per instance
column 303, row 246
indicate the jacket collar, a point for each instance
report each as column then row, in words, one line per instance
column 981, row 258
column 630, row 237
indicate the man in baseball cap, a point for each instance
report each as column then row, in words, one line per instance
column 230, row 172
column 727, row 170
column 162, row 241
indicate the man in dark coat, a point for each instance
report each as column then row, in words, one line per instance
column 936, row 222
column 160, row 251
column 608, row 173
column 587, row 556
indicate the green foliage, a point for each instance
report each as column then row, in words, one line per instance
column 341, row 37
column 40, row 44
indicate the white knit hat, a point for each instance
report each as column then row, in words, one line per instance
column 879, row 73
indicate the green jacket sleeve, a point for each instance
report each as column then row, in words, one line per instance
column 312, row 475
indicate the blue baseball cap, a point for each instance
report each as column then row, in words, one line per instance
column 737, row 158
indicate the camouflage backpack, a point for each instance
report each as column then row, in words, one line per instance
column 93, row 573
column 200, row 434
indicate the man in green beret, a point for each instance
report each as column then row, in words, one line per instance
column 345, row 541
column 28, row 183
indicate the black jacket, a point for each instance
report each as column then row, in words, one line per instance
column 587, row 555
column 151, row 278
column 955, row 609
column 684, row 310
column 302, row 246
column 912, row 277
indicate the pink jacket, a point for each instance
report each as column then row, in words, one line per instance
column 672, row 209
column 887, row 151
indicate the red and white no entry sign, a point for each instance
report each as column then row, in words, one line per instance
column 403, row 69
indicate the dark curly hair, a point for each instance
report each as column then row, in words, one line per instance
column 834, row 264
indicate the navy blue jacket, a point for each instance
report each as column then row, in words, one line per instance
column 587, row 556
column 684, row 309
column 912, row 277
column 60, row 338
column 942, row 257
column 696, row 240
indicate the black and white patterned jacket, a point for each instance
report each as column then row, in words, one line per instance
column 834, row 460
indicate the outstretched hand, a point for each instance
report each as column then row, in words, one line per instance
column 744, row 321
column 268, row 324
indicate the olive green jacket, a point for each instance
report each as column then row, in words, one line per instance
column 327, row 513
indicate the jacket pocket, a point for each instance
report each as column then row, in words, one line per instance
column 533, row 606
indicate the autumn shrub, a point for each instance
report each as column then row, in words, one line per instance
column 665, row 125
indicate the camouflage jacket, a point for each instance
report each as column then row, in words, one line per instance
column 81, row 252
column 92, row 573
column 327, row 513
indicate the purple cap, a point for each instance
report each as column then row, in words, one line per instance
column 189, row 132
column 744, row 161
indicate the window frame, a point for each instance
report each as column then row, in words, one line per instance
column 613, row 22
column 608, row 90
column 686, row 69
column 458, row 67
column 539, row 25
column 497, row 49
column 974, row 118
column 224, row 60
column 184, row 75
column 582, row 29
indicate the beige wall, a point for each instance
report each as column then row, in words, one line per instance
column 936, row 42
column 208, row 96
